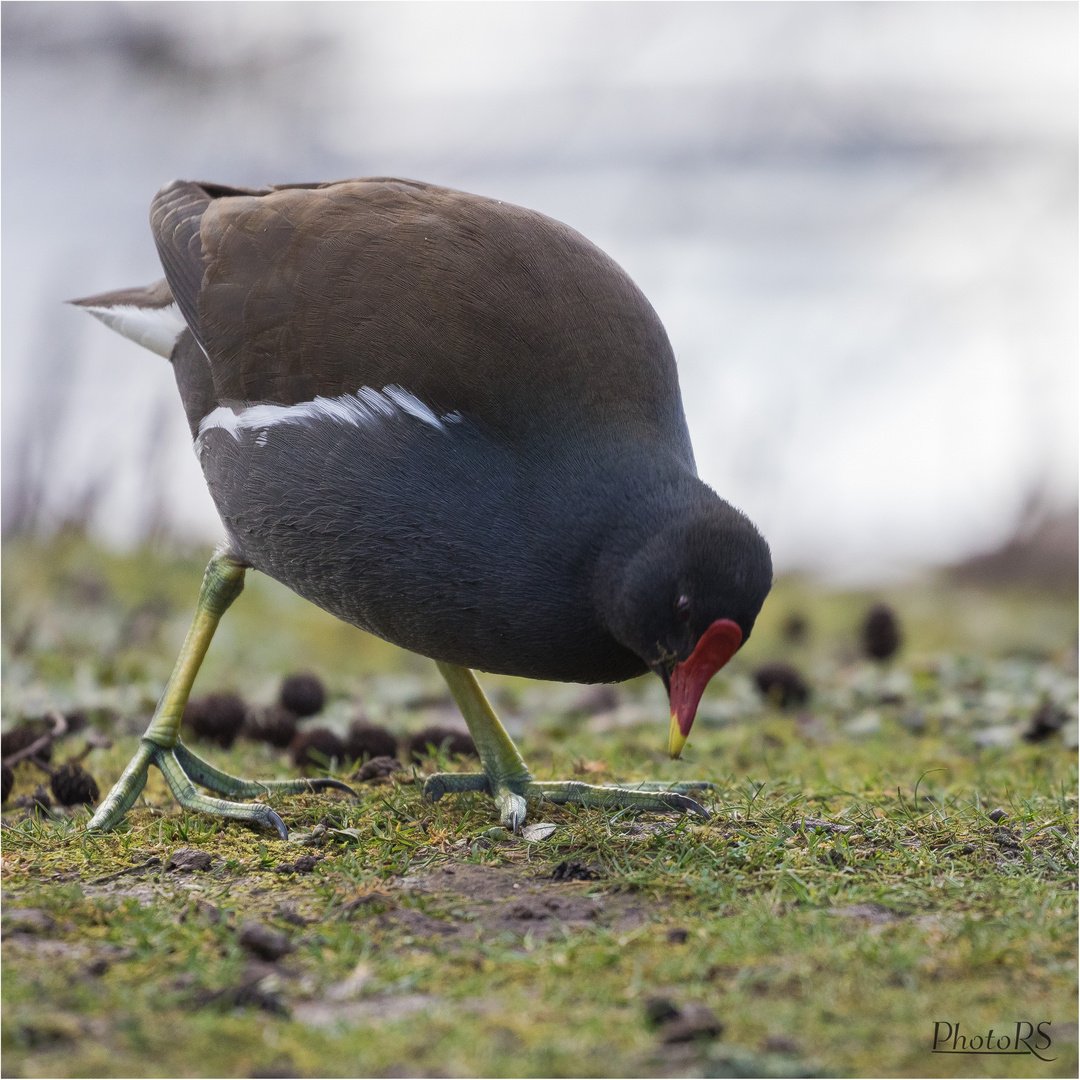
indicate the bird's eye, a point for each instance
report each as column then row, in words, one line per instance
column 682, row 608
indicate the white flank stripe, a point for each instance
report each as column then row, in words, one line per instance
column 154, row 328
column 412, row 405
column 365, row 407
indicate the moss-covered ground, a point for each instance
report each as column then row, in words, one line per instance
column 854, row 886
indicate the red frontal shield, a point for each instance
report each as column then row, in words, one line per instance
column 688, row 681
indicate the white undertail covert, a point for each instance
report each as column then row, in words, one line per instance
column 155, row 328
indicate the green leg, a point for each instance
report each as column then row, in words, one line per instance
column 510, row 782
column 161, row 746
column 504, row 768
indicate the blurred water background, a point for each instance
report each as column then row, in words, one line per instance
column 857, row 221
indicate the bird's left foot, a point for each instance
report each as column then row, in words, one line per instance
column 510, row 783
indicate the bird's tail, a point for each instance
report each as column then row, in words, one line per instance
column 148, row 315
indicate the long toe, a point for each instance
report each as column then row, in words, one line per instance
column 448, row 783
column 181, row 786
column 612, row 796
column 681, row 786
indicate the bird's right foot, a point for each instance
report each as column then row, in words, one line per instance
column 183, row 769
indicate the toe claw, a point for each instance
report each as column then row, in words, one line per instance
column 273, row 819
column 325, row 783
column 512, row 809
column 686, row 805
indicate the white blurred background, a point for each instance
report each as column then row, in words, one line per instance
column 857, row 221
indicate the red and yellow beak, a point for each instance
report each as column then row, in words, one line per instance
column 688, row 681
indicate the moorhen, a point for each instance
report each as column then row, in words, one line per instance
column 455, row 423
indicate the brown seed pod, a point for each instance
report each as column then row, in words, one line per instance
column 782, row 685
column 366, row 740
column 216, row 717
column 881, row 634
column 320, row 740
column 795, row 628
column 378, row 768
column 303, row 694
column 72, row 785
column 449, row 739
column 39, row 802
column 1048, row 719
column 20, row 737
column 77, row 721
column 274, row 725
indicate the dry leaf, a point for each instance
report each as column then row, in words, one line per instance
column 532, row 834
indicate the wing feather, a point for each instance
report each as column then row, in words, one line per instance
column 470, row 304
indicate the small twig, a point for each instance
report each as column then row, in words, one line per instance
column 35, row 748
column 139, row 868
column 93, row 742
column 43, row 765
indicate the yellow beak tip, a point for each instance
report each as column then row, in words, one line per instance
column 676, row 739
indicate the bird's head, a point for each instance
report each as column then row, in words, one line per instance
column 686, row 600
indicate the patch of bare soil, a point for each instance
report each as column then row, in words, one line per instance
column 459, row 902
column 330, row 1014
column 51, row 950
column 875, row 914
column 475, row 902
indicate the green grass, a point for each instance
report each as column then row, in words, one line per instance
column 976, row 918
